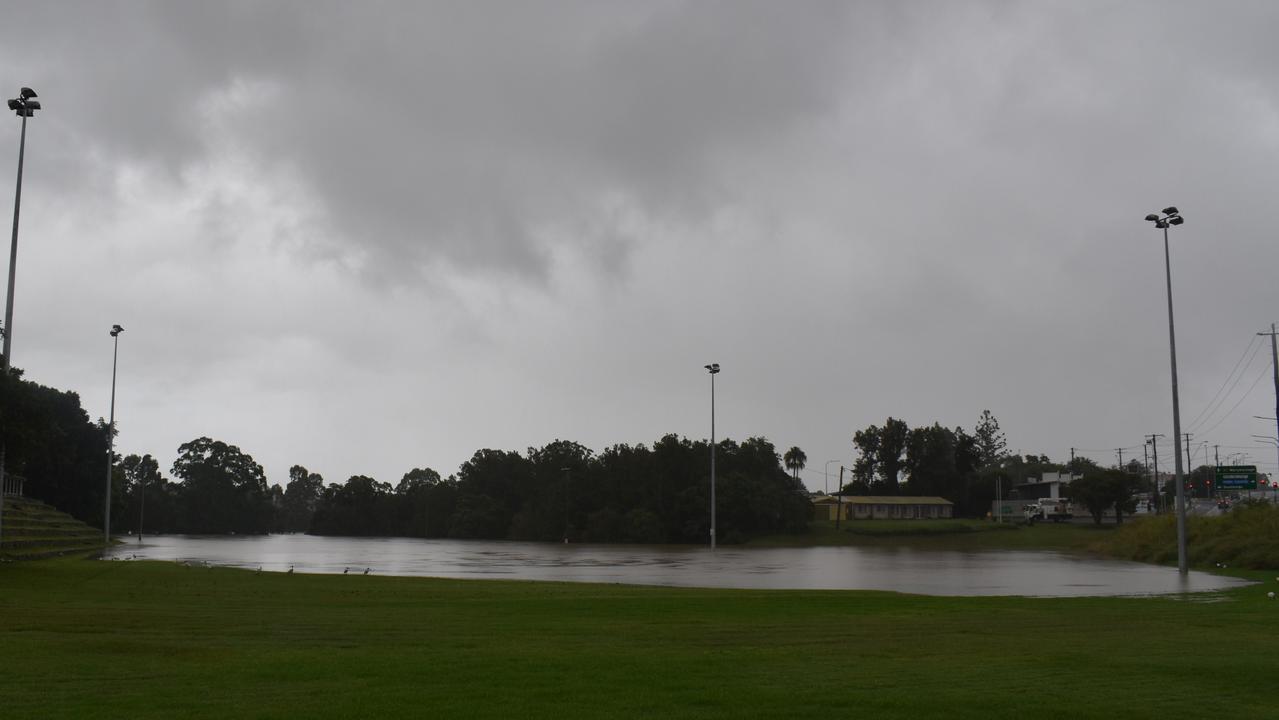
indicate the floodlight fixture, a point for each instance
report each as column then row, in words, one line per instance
column 713, row 368
column 1176, row 220
column 1152, row 217
column 23, row 105
column 1170, row 210
column 116, row 330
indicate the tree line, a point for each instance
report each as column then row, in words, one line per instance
column 972, row 469
column 932, row 460
column 564, row 490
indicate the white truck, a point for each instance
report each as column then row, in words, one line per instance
column 1055, row 509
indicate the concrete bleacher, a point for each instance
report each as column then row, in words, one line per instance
column 31, row 530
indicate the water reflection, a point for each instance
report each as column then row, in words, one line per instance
column 837, row 568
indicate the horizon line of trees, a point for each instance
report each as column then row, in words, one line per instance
column 562, row 491
column 627, row 493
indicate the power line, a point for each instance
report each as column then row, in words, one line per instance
column 1212, row 407
column 1227, row 380
column 1241, row 399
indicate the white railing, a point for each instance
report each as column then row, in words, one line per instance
column 13, row 485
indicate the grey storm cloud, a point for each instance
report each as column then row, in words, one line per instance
column 470, row 132
column 503, row 222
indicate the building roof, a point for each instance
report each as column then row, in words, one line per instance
column 883, row 500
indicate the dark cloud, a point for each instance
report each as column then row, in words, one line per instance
column 500, row 223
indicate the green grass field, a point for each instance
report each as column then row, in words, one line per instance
column 90, row 639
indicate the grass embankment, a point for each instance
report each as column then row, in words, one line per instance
column 955, row 534
column 1245, row 537
column 88, row 639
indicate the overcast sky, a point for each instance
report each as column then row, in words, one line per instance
column 367, row 237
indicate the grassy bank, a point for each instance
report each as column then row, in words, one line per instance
column 955, row 534
column 87, row 639
column 1245, row 537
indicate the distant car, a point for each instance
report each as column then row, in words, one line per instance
column 1223, row 505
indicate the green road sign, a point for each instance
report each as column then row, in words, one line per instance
column 1237, row 477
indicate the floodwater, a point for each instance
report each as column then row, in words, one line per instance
column 1040, row 573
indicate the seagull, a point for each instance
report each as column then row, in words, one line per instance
column 258, row 571
column 366, row 570
column 346, row 570
column 290, row 569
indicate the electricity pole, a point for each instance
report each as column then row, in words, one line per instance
column 1189, row 462
column 1145, row 464
column 1274, row 359
column 1154, row 452
column 839, row 504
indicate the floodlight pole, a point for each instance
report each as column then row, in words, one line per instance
column 24, row 106
column 106, row 515
column 13, row 245
column 1173, row 217
column 713, row 369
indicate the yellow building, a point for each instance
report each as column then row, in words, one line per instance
column 883, row 507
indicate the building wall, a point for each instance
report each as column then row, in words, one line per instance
column 886, row 511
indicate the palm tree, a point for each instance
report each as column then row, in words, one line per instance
column 795, row 460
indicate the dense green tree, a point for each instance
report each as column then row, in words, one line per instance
column 360, row 506
column 301, row 497
column 149, row 498
column 930, row 461
column 51, row 443
column 223, row 489
column 989, row 439
column 882, row 456
column 425, row 503
column 1100, row 490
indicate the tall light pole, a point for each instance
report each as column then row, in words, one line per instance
column 24, row 107
column 1172, row 217
column 106, row 515
column 713, row 369
column 827, row 470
